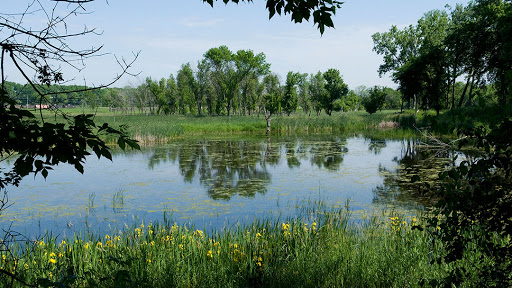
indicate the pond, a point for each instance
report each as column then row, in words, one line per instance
column 217, row 183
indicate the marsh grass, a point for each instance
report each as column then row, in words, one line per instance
column 321, row 248
column 154, row 129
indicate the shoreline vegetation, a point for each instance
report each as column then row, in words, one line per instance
column 159, row 129
column 322, row 248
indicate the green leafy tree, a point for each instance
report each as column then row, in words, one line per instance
column 203, row 84
column 336, row 89
column 171, row 95
column 393, row 98
column 251, row 94
column 272, row 95
column 304, row 93
column 375, row 100
column 318, row 91
column 230, row 69
column 187, row 88
column 417, row 57
column 223, row 75
column 289, row 101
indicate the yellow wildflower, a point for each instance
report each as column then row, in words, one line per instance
column 209, row 254
column 52, row 260
column 148, row 260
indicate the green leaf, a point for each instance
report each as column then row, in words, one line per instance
column 121, row 143
column 415, row 178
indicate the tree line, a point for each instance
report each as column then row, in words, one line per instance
column 222, row 83
column 472, row 42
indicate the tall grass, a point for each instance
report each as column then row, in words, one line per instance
column 320, row 249
column 161, row 128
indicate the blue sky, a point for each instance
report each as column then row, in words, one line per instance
column 171, row 33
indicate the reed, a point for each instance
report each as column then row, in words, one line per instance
column 320, row 248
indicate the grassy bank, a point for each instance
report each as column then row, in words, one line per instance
column 387, row 123
column 161, row 128
column 322, row 251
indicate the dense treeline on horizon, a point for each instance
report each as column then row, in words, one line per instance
column 222, row 83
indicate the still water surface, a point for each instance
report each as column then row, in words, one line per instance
column 209, row 183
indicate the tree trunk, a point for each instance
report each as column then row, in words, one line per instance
column 461, row 101
column 267, row 117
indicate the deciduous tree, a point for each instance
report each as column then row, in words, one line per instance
column 335, row 87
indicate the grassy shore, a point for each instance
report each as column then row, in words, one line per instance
column 322, row 250
column 162, row 128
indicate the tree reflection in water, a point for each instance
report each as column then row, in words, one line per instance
column 416, row 158
column 241, row 167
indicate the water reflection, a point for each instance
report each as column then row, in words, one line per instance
column 240, row 167
column 415, row 158
column 214, row 182
column 376, row 145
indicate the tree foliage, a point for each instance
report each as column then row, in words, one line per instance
column 335, row 88
column 474, row 215
column 322, row 10
column 375, row 100
column 290, row 100
column 427, row 59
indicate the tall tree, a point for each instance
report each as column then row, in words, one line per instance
column 187, row 87
column 272, row 94
column 304, row 94
column 417, row 57
column 171, row 95
column 231, row 69
column 203, row 84
column 317, row 91
column 289, row 101
column 335, row 87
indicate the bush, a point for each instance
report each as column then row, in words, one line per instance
column 474, row 216
column 375, row 100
